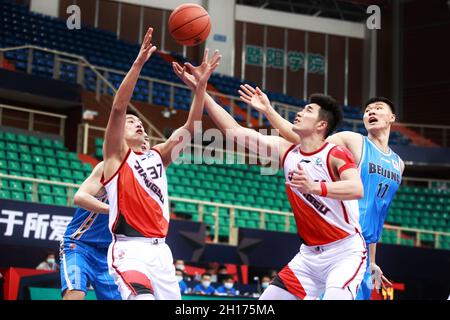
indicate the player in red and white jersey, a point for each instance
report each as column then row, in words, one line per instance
column 322, row 185
column 139, row 259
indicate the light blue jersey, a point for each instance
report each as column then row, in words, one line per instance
column 381, row 176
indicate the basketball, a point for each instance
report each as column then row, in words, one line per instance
column 189, row 24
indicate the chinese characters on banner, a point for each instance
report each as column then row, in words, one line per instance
column 275, row 59
column 35, row 225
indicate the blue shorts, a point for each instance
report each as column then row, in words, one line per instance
column 366, row 286
column 82, row 265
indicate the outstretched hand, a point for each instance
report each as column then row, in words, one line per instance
column 197, row 75
column 147, row 48
column 255, row 98
column 378, row 279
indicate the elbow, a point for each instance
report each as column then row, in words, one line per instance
column 77, row 199
column 359, row 191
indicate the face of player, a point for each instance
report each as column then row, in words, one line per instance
column 307, row 120
column 134, row 131
column 146, row 145
column 378, row 116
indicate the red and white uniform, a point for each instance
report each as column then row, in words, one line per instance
column 139, row 259
column 333, row 252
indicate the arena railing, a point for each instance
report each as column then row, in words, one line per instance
column 30, row 119
column 82, row 64
column 439, row 134
column 232, row 238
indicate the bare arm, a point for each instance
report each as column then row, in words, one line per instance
column 182, row 136
column 85, row 196
column 249, row 138
column 114, row 146
column 259, row 100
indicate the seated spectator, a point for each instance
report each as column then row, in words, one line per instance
column 179, row 265
column 205, row 287
column 227, row 288
column 222, row 273
column 265, row 281
column 49, row 263
column 212, row 272
column 183, row 285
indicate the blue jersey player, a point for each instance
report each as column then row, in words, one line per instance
column 84, row 247
column 380, row 168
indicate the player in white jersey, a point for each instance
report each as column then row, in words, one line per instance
column 139, row 259
column 322, row 185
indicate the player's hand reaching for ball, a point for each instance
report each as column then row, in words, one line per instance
column 204, row 71
column 255, row 98
column 200, row 74
column 147, row 48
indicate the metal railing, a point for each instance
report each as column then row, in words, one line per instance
column 439, row 134
column 232, row 213
column 30, row 119
column 82, row 64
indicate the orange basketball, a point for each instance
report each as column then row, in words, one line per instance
column 189, row 24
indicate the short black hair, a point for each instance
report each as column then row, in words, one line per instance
column 330, row 111
column 381, row 99
column 131, row 112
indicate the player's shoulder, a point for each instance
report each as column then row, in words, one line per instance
column 346, row 138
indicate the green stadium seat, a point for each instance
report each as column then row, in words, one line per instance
column 50, row 161
column 75, row 165
column 38, row 159
column 10, row 155
column 72, row 156
column 22, row 138
column 26, row 157
column 2, row 154
column 4, row 183
column 40, row 169
column 44, row 189
column 46, row 199
column 23, row 148
column 28, row 186
column 60, row 201
column 3, row 164
column 61, row 154
column 48, row 152
column 14, row 165
column 63, row 163
column 28, row 167
column 8, row 136
column 34, row 141
column 58, row 144
column 41, row 176
column 46, row 143
column 87, row 167
column 5, row 194
column 36, row 150
column 16, row 185
column 18, row 196
column 252, row 224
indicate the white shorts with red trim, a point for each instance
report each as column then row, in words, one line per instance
column 314, row 269
column 143, row 266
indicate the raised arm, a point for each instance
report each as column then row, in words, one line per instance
column 348, row 185
column 259, row 100
column 182, row 136
column 249, row 138
column 114, row 146
column 85, row 196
